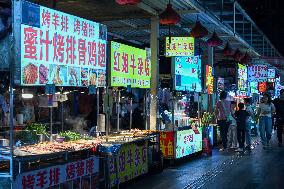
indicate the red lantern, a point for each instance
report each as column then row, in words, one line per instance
column 246, row 59
column 214, row 41
column 169, row 16
column 198, row 31
column 238, row 55
column 227, row 51
column 128, row 2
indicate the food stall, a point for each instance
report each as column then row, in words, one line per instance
column 48, row 69
column 181, row 132
column 128, row 150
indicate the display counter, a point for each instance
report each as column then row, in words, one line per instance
column 180, row 143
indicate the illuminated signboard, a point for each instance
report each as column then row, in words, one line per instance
column 179, row 46
column 242, row 79
column 278, row 87
column 129, row 66
column 167, row 143
column 188, row 73
column 254, row 87
column 262, row 87
column 61, row 49
column 188, row 142
column 271, row 73
column 209, row 79
column 258, row 73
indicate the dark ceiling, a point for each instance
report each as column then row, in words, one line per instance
column 268, row 15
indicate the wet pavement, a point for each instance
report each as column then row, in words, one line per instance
column 260, row 169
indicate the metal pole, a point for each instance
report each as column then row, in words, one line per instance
column 98, row 106
column 62, row 116
column 222, row 9
column 198, row 104
column 234, row 17
column 107, row 113
column 131, row 112
column 51, row 123
column 118, row 108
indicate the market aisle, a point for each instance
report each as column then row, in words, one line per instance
column 260, row 169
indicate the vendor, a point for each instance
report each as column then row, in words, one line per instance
column 138, row 116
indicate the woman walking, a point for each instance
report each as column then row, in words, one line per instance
column 223, row 114
column 265, row 110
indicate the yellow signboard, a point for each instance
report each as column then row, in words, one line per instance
column 179, row 46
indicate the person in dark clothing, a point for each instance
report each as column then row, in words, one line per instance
column 241, row 117
column 279, row 104
column 138, row 116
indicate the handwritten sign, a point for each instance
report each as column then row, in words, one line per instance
column 188, row 73
column 179, row 46
column 55, row 175
column 132, row 162
column 129, row 66
column 61, row 49
column 258, row 73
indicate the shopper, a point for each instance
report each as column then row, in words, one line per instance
column 279, row 106
column 264, row 112
column 241, row 117
column 232, row 132
column 250, row 111
column 222, row 113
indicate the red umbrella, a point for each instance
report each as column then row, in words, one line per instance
column 227, row 51
column 128, row 2
column 214, row 41
column 169, row 16
column 198, row 31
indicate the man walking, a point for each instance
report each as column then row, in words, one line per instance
column 279, row 106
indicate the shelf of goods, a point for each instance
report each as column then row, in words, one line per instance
column 127, row 155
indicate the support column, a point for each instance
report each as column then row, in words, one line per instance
column 154, row 45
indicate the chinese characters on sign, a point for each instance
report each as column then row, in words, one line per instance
column 167, row 144
column 62, row 49
column 132, row 162
column 129, row 66
column 262, row 87
column 188, row 142
column 271, row 75
column 209, row 79
column 242, row 80
column 254, row 87
column 52, row 176
column 179, row 46
column 188, row 73
column 278, row 87
column 257, row 73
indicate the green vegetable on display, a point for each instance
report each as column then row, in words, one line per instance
column 70, row 135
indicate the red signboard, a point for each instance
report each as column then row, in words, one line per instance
column 167, row 144
column 262, row 87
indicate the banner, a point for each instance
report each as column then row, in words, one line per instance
column 188, row 73
column 129, row 66
column 179, row 46
column 188, row 142
column 61, row 49
column 56, row 175
column 258, row 73
column 209, row 79
column 254, row 87
column 242, row 80
column 132, row 161
column 167, row 144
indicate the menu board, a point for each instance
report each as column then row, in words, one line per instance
column 179, row 46
column 61, row 49
column 258, row 73
column 242, row 78
column 209, row 79
column 188, row 73
column 262, row 87
column 129, row 66
column 271, row 73
column 254, row 87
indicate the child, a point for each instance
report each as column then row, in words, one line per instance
column 241, row 117
column 232, row 133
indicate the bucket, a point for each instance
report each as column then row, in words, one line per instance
column 20, row 119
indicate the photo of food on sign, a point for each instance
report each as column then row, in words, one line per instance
column 93, row 77
column 30, row 73
column 43, row 74
column 101, row 77
column 73, row 76
column 84, row 76
column 58, row 74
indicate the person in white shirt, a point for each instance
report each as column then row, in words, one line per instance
column 265, row 110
